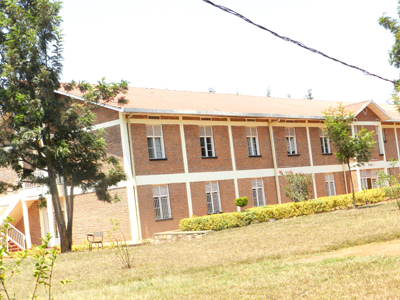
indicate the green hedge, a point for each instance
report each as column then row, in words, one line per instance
column 279, row 211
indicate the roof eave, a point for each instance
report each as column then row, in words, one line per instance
column 215, row 113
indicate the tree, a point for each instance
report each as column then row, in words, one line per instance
column 298, row 186
column 41, row 130
column 355, row 150
column 269, row 92
column 309, row 95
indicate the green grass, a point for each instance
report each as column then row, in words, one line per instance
column 261, row 261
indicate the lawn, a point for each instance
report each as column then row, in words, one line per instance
column 262, row 261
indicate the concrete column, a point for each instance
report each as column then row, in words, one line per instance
column 25, row 215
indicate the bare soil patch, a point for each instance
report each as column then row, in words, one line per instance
column 391, row 248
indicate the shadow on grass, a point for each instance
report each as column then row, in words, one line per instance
column 372, row 205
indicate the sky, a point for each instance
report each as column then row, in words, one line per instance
column 190, row 45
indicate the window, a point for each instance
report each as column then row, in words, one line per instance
column 162, row 207
column 206, row 141
column 213, row 201
column 258, row 192
column 325, row 143
column 330, row 185
column 290, row 140
column 252, row 141
column 155, row 141
column 380, row 148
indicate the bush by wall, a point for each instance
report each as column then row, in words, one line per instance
column 241, row 202
column 279, row 211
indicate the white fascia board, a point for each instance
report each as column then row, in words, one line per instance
column 214, row 113
column 80, row 98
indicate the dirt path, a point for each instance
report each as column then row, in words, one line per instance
column 386, row 248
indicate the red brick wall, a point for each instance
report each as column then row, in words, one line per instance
column 285, row 160
column 243, row 161
column 320, row 159
column 355, row 181
column 227, row 195
column 112, row 137
column 370, row 116
column 92, row 215
column 339, row 183
column 173, row 151
column 179, row 209
column 390, row 144
column 34, row 224
column 375, row 152
column 105, row 115
column 320, row 184
column 199, row 198
column 270, row 196
column 196, row 163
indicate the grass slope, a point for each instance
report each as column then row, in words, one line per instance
column 261, row 261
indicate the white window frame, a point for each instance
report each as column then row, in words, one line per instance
column 162, row 205
column 206, row 141
column 253, row 147
column 325, row 143
column 258, row 191
column 291, row 145
column 213, row 197
column 155, row 134
column 378, row 135
column 330, row 184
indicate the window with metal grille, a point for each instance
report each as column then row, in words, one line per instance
column 155, row 141
column 162, row 206
column 330, row 185
column 290, row 140
column 206, row 141
column 258, row 192
column 213, row 200
column 252, row 141
column 378, row 138
column 325, row 143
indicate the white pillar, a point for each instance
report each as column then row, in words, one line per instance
column 51, row 221
column 26, row 224
column 128, row 165
column 186, row 168
column 271, row 136
column 235, row 181
column 311, row 161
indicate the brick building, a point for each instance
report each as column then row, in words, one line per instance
column 189, row 153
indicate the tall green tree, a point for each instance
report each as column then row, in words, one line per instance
column 350, row 149
column 40, row 130
column 393, row 25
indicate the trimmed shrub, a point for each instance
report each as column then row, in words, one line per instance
column 279, row 211
column 243, row 201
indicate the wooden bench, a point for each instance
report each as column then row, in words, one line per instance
column 95, row 238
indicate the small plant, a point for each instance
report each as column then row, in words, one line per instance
column 44, row 267
column 389, row 184
column 242, row 201
column 121, row 246
column 298, row 185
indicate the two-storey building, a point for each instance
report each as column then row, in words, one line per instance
column 190, row 153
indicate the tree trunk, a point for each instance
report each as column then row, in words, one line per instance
column 351, row 185
column 57, row 208
column 70, row 215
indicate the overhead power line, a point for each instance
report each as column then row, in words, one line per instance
column 230, row 11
